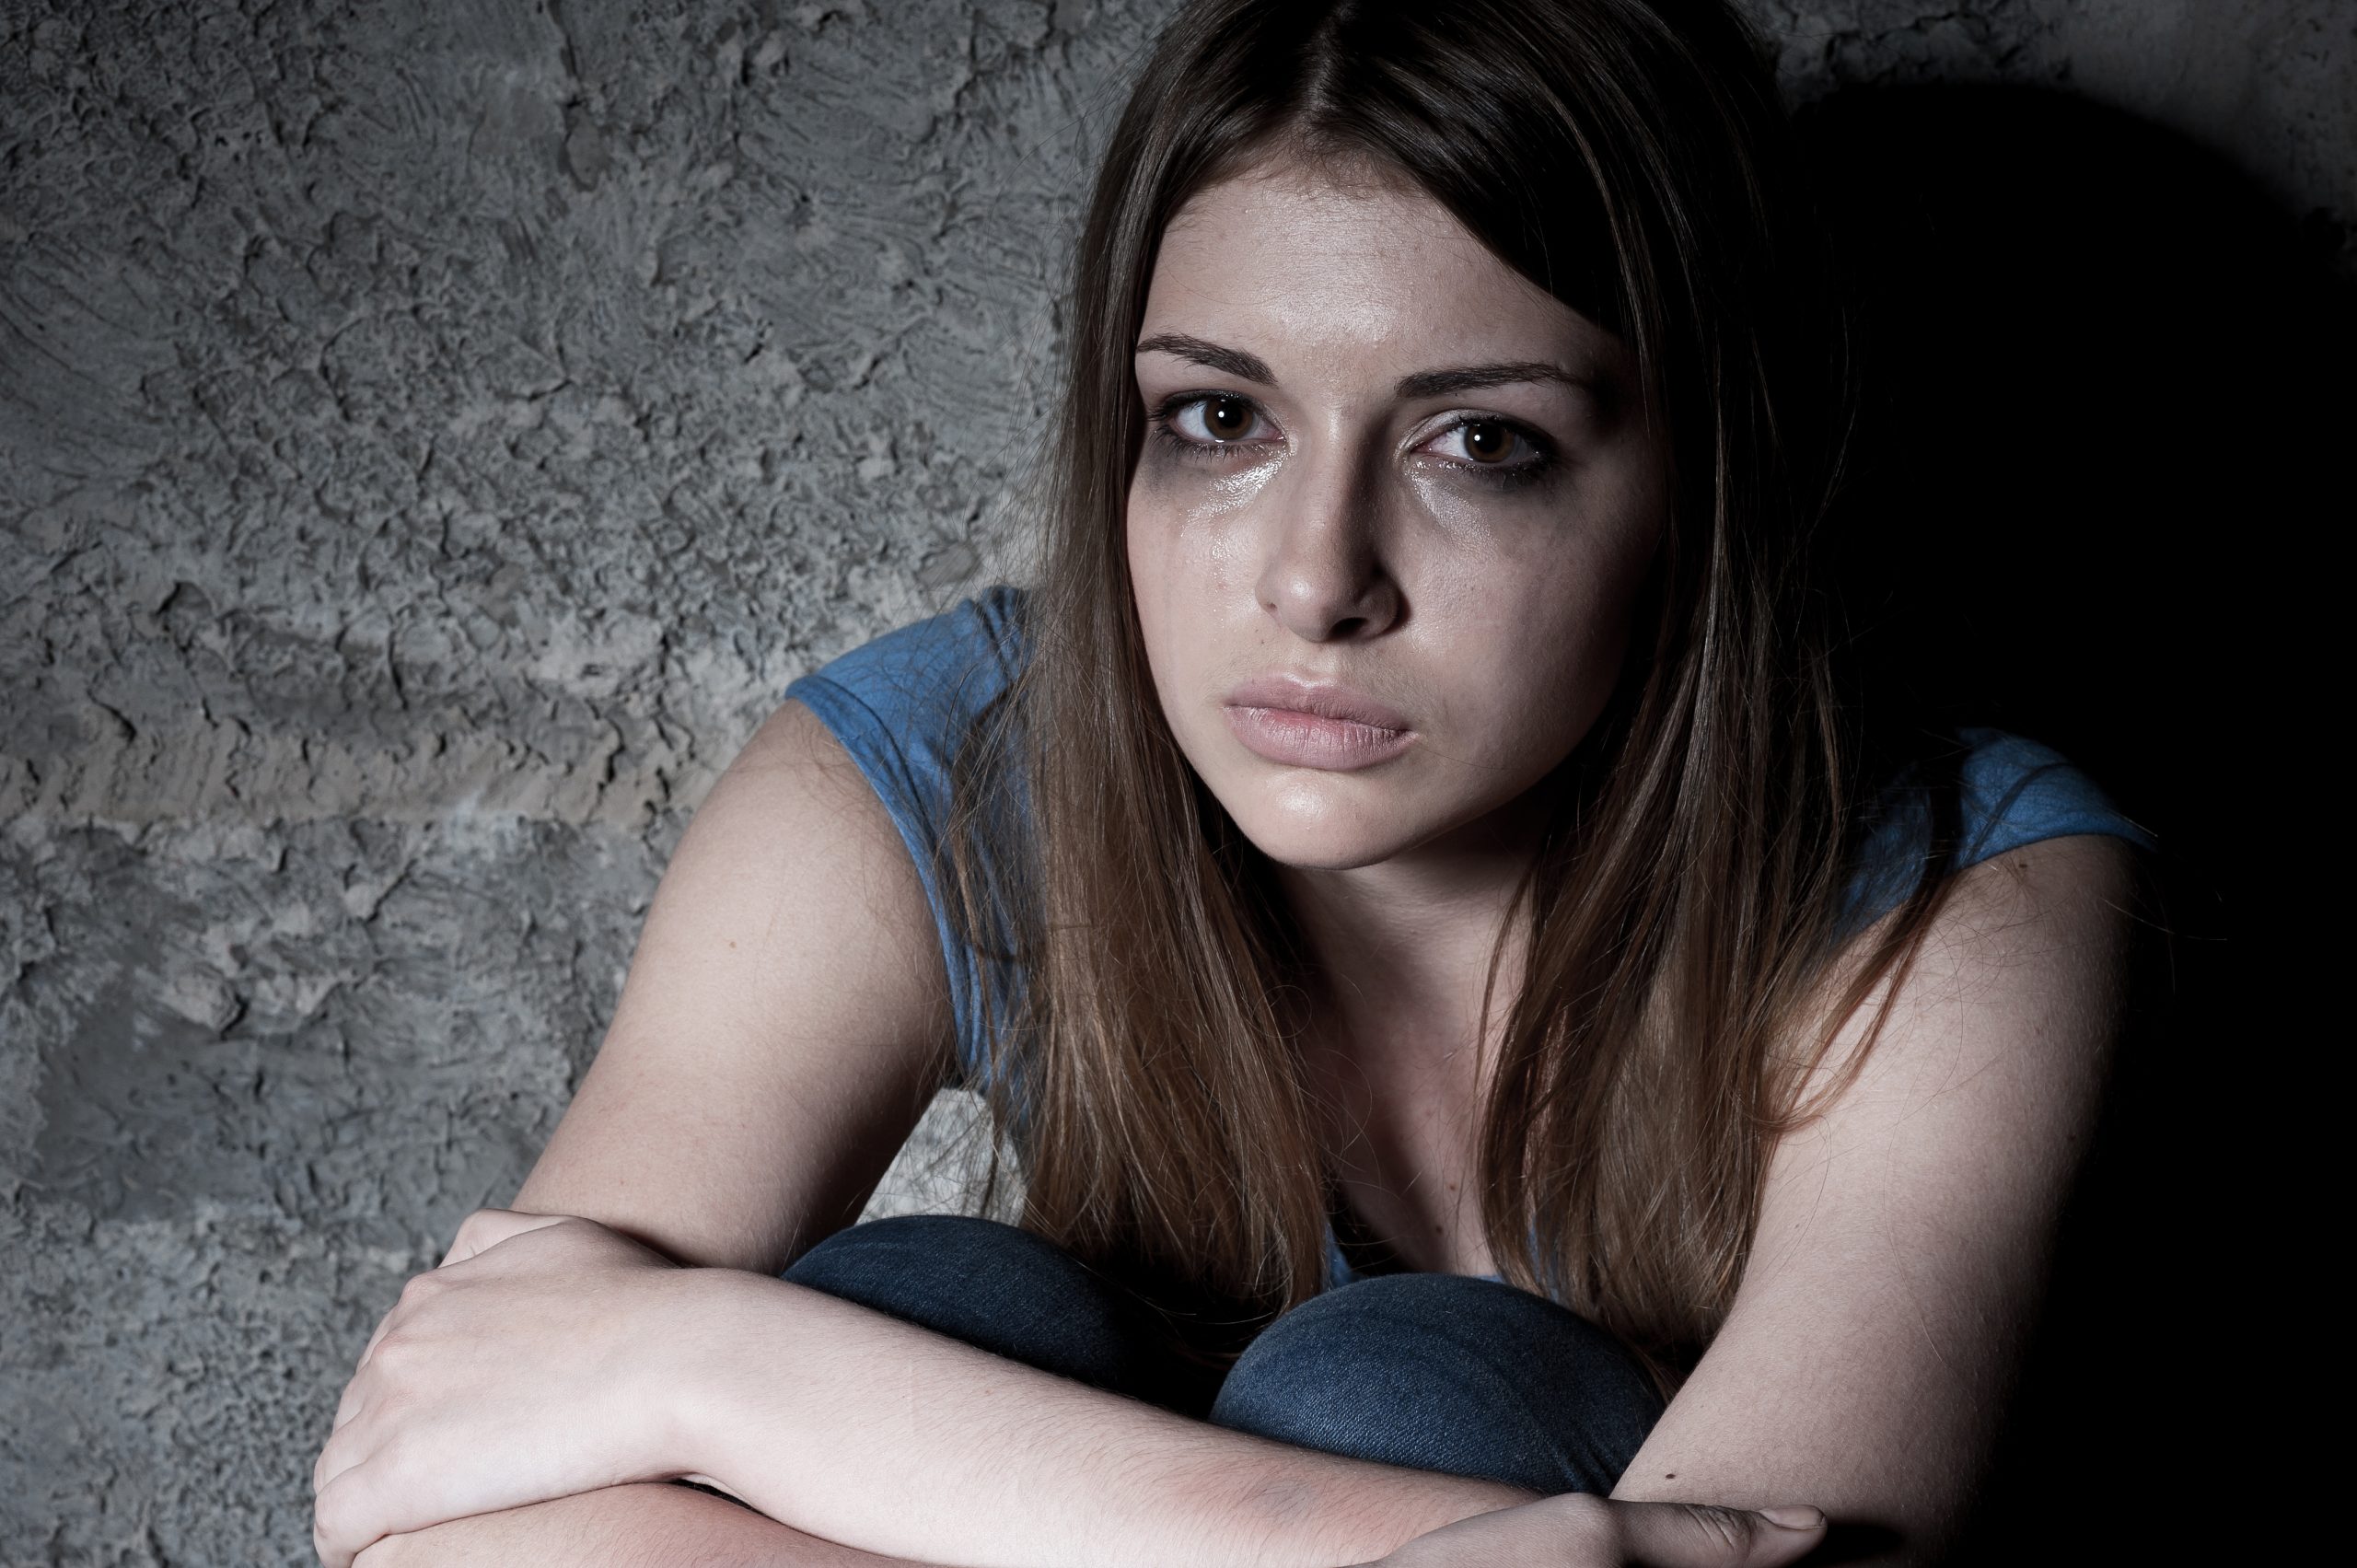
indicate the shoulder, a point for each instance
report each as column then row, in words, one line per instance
column 900, row 708
column 791, row 811
column 902, row 704
column 2017, row 991
column 2023, row 972
column 1979, row 794
column 2016, row 791
column 926, row 673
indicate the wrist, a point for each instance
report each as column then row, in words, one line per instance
column 1311, row 1506
column 699, row 1338
column 1462, row 1498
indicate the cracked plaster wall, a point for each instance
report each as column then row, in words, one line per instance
column 430, row 436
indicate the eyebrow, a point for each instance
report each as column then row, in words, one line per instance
column 1473, row 378
column 1422, row 384
column 1235, row 362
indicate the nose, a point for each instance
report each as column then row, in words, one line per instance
column 1323, row 576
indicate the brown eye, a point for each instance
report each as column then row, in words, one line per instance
column 1214, row 424
column 1226, row 418
column 1486, row 441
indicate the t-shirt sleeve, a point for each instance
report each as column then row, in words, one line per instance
column 901, row 705
column 2011, row 791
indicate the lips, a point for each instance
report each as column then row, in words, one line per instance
column 1326, row 700
column 1303, row 723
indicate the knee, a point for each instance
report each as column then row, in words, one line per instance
column 976, row 1280
column 996, row 1287
column 910, row 1258
column 1342, row 1371
column 1442, row 1372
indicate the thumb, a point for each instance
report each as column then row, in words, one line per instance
column 1693, row 1535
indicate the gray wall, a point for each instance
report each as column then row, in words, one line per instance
column 430, row 436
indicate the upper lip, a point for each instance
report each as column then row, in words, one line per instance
column 1325, row 699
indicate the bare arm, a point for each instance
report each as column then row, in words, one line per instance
column 618, row 1526
column 1903, row 1241
column 784, row 1021
column 1898, row 1267
column 994, row 1463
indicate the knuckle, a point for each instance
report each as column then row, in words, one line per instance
column 1729, row 1529
column 327, row 1463
column 335, row 1518
column 326, row 1469
column 1589, row 1522
column 393, row 1342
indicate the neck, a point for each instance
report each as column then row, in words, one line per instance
column 1404, row 945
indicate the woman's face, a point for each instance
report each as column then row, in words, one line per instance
column 1394, row 508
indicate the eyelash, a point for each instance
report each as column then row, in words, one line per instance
column 1541, row 466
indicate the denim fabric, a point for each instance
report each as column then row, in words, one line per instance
column 1013, row 1293
column 1444, row 1372
column 1436, row 1371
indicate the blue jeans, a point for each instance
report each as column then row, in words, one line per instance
column 1436, row 1371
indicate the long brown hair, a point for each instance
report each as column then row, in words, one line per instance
column 1684, row 909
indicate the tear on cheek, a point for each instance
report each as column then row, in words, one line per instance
column 1194, row 483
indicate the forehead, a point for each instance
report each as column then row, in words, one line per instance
column 1308, row 263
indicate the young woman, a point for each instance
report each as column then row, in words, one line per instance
column 1505, row 1064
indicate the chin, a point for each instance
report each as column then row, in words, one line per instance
column 1301, row 823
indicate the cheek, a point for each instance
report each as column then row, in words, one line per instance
column 1531, row 674
column 1528, row 643
column 1192, row 528
column 1154, row 577
column 1166, row 583
column 1190, row 554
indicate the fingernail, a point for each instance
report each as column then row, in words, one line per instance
column 1796, row 1517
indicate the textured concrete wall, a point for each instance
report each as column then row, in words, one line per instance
column 430, row 436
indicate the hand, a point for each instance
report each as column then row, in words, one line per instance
column 1580, row 1530
column 520, row 1370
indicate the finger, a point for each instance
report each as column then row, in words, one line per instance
column 486, row 1228
column 340, row 1528
column 1688, row 1535
column 350, row 1405
column 416, row 1291
column 363, row 1496
column 347, row 1448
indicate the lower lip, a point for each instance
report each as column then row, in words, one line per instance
column 1306, row 740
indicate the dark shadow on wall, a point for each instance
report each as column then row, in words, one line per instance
column 2100, row 501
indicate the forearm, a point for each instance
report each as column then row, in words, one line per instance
column 622, row 1527
column 853, row 1426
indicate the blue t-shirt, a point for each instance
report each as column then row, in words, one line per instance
column 901, row 704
